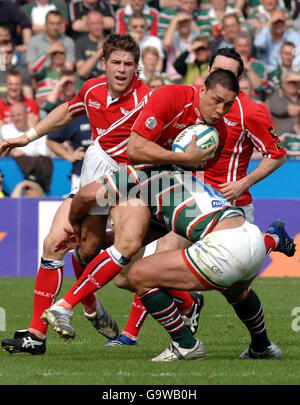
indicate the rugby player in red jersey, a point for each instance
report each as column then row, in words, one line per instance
column 167, row 110
column 112, row 103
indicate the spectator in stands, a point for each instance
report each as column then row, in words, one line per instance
column 123, row 17
column 78, row 135
column 78, row 16
column 41, row 43
column 287, row 56
column 29, row 188
column 33, row 159
column 5, row 36
column 254, row 69
column 270, row 39
column 260, row 16
column 189, row 70
column 284, row 103
column 3, row 193
column 37, row 10
column 89, row 47
column 154, row 82
column 210, row 20
column 8, row 48
column 178, row 37
column 47, row 70
column 231, row 26
column 17, row 22
column 14, row 84
column 65, row 89
column 150, row 59
column 138, row 30
column 170, row 9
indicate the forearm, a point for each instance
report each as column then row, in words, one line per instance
column 83, row 201
column 141, row 150
column 264, row 169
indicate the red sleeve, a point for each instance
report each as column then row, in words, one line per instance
column 154, row 26
column 76, row 105
column 262, row 134
column 120, row 23
column 154, row 115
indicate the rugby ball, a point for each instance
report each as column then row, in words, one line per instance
column 207, row 135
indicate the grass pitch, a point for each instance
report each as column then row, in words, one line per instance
column 86, row 362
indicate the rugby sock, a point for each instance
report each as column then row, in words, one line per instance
column 183, row 300
column 98, row 273
column 137, row 317
column 162, row 308
column 138, row 313
column 79, row 267
column 47, row 286
column 270, row 244
column 251, row 313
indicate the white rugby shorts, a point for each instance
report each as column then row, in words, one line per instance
column 96, row 163
column 224, row 257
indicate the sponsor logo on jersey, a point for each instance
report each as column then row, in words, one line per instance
column 216, row 203
column 179, row 126
column 100, row 131
column 230, row 123
column 94, row 104
column 278, row 145
column 151, row 122
column 123, row 111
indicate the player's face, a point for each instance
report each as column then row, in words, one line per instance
column 215, row 103
column 120, row 69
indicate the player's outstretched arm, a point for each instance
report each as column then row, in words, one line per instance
column 56, row 119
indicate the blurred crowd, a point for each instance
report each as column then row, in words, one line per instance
column 48, row 48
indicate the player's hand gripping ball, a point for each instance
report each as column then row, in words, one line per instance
column 206, row 136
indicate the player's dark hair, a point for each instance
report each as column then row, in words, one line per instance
column 228, row 53
column 223, row 77
column 122, row 42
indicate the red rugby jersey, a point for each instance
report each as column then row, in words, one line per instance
column 248, row 127
column 111, row 120
column 168, row 111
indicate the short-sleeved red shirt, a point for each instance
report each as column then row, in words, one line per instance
column 110, row 119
